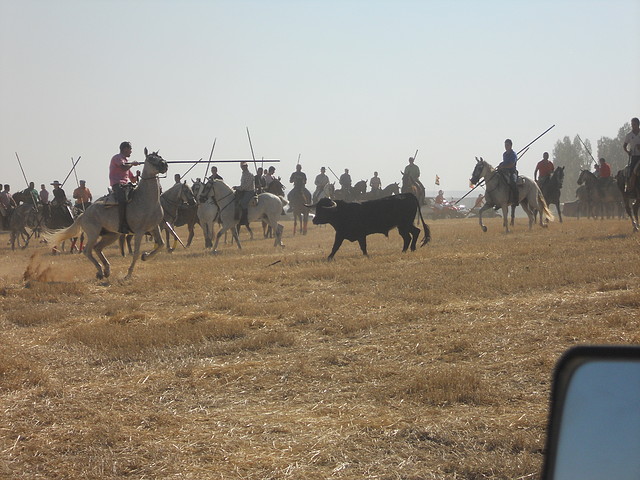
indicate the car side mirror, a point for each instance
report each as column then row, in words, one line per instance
column 594, row 417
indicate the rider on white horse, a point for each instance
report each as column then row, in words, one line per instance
column 508, row 168
column 245, row 192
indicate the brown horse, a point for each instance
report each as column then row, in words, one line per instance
column 603, row 194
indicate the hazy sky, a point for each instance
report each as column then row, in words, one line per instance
column 344, row 83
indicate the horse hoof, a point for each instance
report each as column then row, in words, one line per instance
column 144, row 256
column 99, row 276
column 484, row 228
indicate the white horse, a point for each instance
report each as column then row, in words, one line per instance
column 220, row 205
column 498, row 194
column 100, row 221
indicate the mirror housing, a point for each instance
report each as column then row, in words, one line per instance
column 594, row 417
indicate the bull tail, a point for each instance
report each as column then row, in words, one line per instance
column 427, row 230
column 58, row 236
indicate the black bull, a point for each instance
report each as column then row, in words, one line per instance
column 354, row 221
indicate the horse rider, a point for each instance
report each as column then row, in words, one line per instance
column 259, row 182
column 543, row 170
column 7, row 204
column 413, row 172
column 44, row 195
column 631, row 147
column 83, row 196
column 120, row 180
column 269, row 176
column 375, row 183
column 508, row 169
column 59, row 196
column 320, row 182
column 345, row 183
column 214, row 174
column 32, row 193
column 299, row 180
column 245, row 192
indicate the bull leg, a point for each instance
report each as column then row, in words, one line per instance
column 363, row 245
column 415, row 233
column 336, row 245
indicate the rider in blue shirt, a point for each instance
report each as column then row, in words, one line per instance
column 508, row 166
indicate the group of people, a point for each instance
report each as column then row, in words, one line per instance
column 121, row 178
column 40, row 199
column 545, row 168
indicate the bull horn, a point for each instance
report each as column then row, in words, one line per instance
column 311, row 206
column 333, row 205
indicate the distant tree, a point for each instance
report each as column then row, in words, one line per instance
column 573, row 156
column 611, row 149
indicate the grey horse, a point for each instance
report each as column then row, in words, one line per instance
column 100, row 221
column 220, row 206
column 498, row 195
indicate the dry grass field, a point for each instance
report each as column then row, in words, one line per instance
column 427, row 365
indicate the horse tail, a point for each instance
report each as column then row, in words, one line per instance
column 544, row 207
column 427, row 230
column 56, row 237
column 283, row 200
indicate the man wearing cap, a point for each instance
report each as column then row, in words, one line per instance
column 59, row 197
column 83, row 196
column 320, row 182
column 119, row 177
column 245, row 192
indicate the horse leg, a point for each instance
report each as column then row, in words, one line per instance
column 137, row 240
column 513, row 215
column 486, row 206
column 558, row 209
column 191, row 234
column 94, row 245
column 157, row 236
column 305, row 219
column 505, row 218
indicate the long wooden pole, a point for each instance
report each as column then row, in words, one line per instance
column 255, row 165
column 210, row 156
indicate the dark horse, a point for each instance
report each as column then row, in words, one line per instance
column 628, row 198
column 551, row 189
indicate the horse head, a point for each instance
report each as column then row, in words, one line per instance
column 558, row 174
column 479, row 170
column 360, row 187
column 156, row 163
column 584, row 176
column 187, row 195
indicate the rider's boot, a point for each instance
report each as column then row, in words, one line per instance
column 122, row 218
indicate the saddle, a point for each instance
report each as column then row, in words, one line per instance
column 109, row 200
